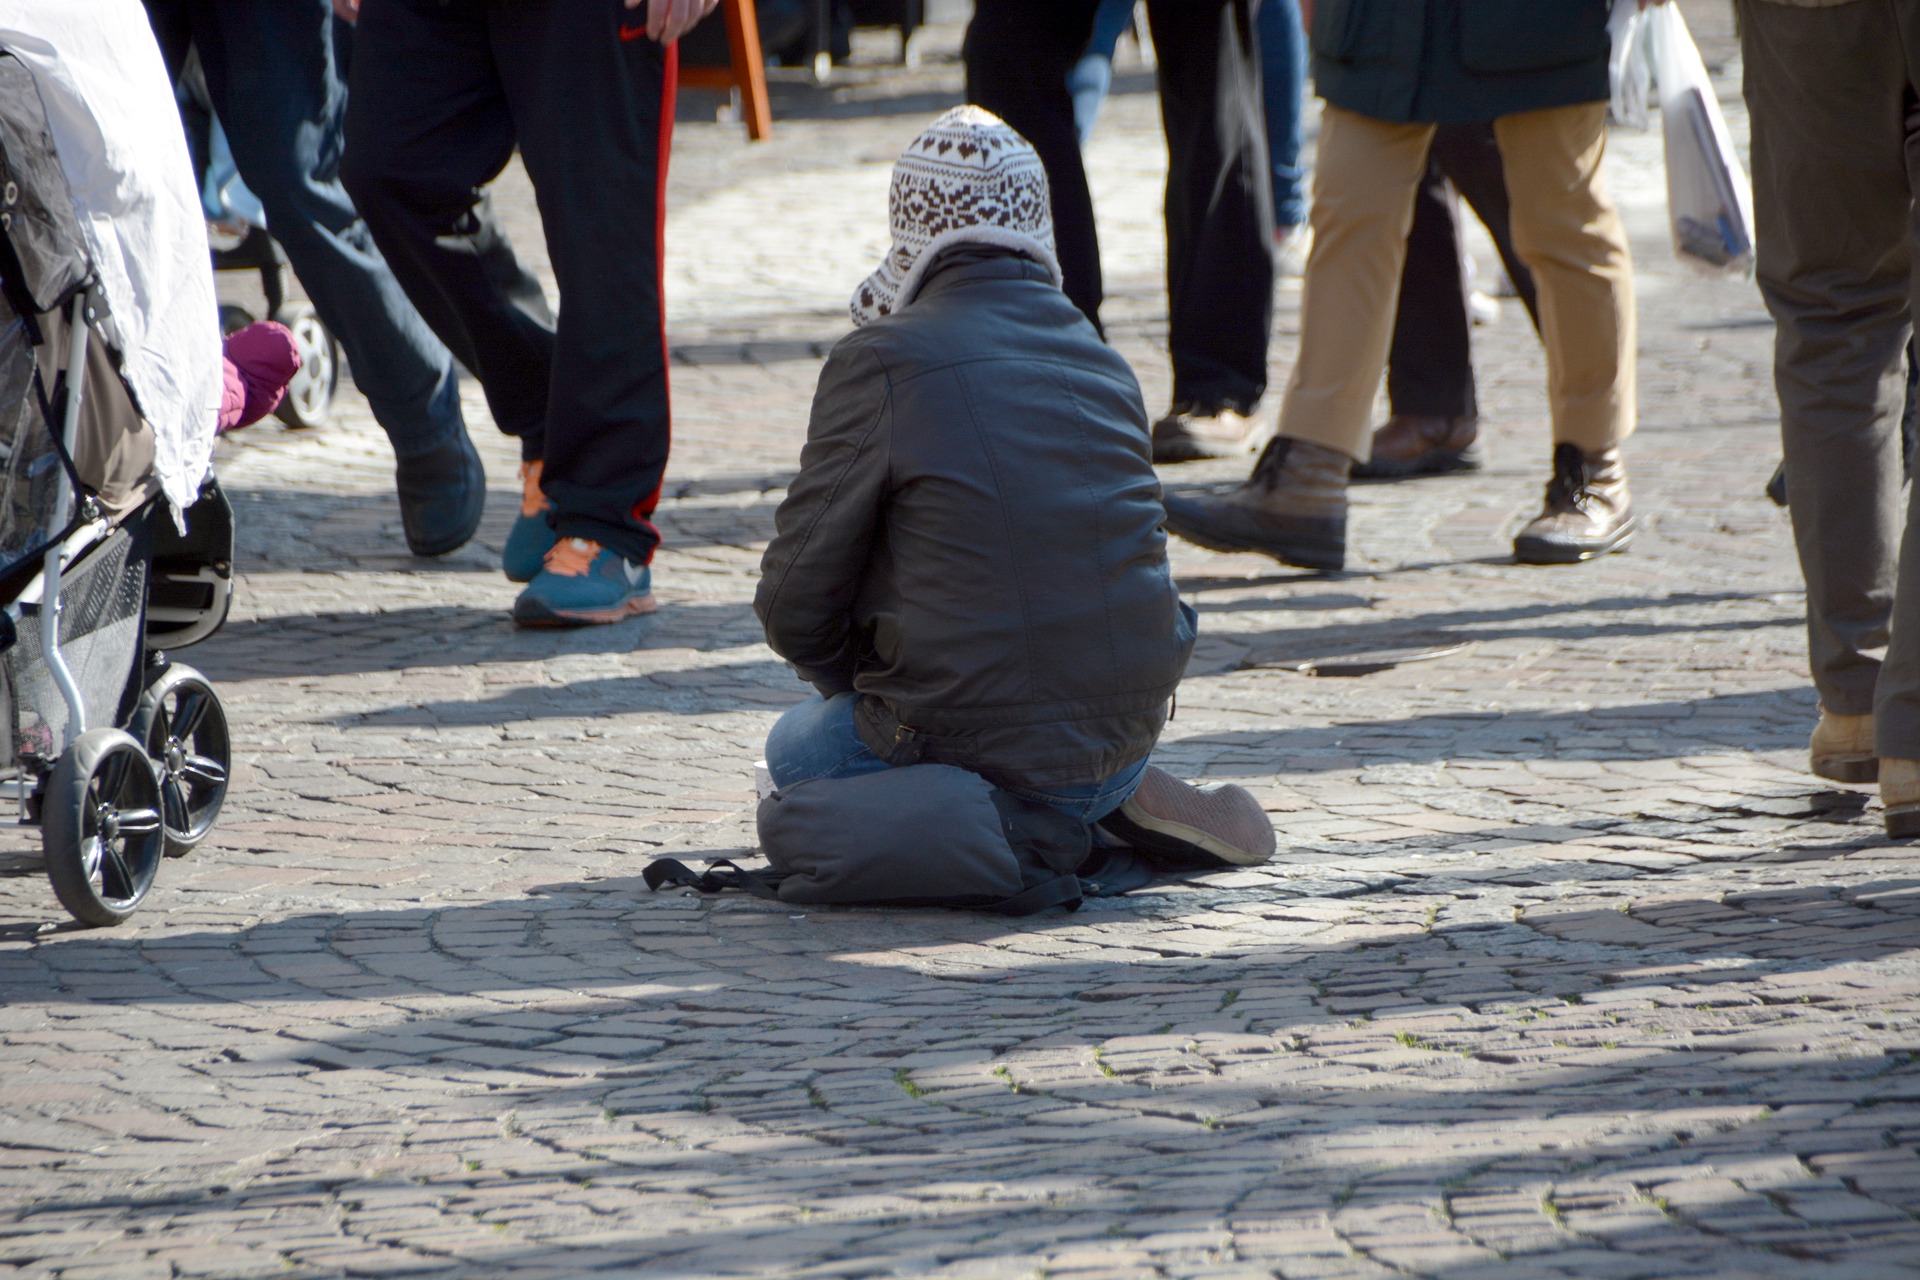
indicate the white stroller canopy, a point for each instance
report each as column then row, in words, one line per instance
column 121, row 146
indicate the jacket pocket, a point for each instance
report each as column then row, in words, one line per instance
column 1353, row 31
column 1500, row 37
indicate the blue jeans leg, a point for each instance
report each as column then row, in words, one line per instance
column 279, row 91
column 817, row 740
column 1091, row 802
column 1283, row 81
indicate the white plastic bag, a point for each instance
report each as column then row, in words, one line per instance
column 1708, row 200
column 1628, row 74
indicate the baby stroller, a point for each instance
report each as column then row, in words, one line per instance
column 120, row 755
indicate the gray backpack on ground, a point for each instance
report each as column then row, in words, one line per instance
column 924, row 835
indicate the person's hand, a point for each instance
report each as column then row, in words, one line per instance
column 668, row 20
column 347, row 10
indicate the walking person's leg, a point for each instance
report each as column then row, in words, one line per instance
column 1469, row 156
column 427, row 128
column 1832, row 211
column 1570, row 236
column 1430, row 390
column 592, row 103
column 273, row 81
column 1219, row 212
column 1294, row 506
column 1018, row 57
column 1283, row 87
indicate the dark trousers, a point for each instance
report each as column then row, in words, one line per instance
column 442, row 94
column 1219, row 203
column 1430, row 367
column 280, row 94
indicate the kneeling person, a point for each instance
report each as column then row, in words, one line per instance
column 970, row 567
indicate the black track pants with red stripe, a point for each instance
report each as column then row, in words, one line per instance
column 441, row 93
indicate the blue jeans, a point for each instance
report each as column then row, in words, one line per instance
column 274, row 75
column 817, row 740
column 1283, row 81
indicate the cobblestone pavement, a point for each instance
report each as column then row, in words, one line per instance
column 1566, row 968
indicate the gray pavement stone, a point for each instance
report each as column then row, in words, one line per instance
column 1565, row 968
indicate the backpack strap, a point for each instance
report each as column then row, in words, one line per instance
column 719, row 876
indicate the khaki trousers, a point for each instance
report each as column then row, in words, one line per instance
column 1564, row 228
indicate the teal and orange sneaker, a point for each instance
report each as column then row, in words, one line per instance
column 531, row 536
column 583, row 584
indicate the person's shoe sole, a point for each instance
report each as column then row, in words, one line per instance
column 1437, row 462
column 1301, row 550
column 1541, row 551
column 1854, row 769
column 1903, row 821
column 535, row 614
column 1167, row 816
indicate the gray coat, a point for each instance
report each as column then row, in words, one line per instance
column 973, row 542
column 1459, row 61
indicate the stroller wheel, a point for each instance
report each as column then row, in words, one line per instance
column 183, row 727
column 309, row 398
column 100, row 827
column 233, row 319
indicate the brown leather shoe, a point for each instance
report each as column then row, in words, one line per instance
column 1205, row 826
column 1190, row 433
column 1416, row 445
column 1586, row 513
column 1293, row 508
column 1842, row 748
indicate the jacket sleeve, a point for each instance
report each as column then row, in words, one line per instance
column 825, row 529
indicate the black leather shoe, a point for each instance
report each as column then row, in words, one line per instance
column 442, row 495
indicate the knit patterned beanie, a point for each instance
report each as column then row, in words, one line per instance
column 969, row 179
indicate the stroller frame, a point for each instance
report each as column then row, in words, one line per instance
column 116, row 791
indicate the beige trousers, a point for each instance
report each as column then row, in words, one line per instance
column 1564, row 227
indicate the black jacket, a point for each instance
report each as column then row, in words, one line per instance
column 1459, row 61
column 974, row 542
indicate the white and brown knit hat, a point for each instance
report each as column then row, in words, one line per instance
column 969, row 179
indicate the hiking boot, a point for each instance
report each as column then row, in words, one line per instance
column 531, row 536
column 582, row 584
column 1900, row 794
column 1206, row 826
column 442, row 495
column 1842, row 748
column 1419, row 445
column 1291, row 245
column 1189, row 433
column 1293, row 508
column 1586, row 512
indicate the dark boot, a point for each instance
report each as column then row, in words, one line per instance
column 442, row 494
column 1417, row 445
column 1293, row 508
column 1586, row 513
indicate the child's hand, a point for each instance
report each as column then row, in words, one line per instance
column 667, row 20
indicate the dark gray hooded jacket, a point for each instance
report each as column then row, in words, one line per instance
column 973, row 542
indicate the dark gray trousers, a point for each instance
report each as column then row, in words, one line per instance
column 1836, row 162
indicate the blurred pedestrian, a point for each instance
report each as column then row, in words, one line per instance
column 278, row 88
column 442, row 95
column 1390, row 72
column 1434, row 422
column 1219, row 201
column 1830, row 91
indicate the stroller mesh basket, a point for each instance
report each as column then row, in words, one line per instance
column 101, row 600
